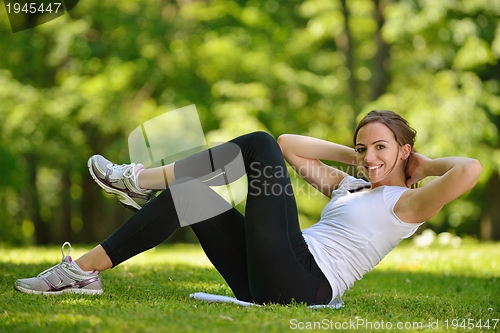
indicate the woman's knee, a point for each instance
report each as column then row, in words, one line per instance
column 257, row 140
column 262, row 137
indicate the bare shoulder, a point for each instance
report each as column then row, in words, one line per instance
column 454, row 177
column 408, row 210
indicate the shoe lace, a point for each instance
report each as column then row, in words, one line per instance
column 130, row 171
column 49, row 270
column 127, row 170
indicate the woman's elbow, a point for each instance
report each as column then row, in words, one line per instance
column 283, row 141
column 474, row 169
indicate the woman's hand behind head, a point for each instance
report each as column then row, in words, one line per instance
column 415, row 169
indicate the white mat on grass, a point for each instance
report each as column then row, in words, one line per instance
column 336, row 304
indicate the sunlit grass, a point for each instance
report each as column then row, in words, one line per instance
column 180, row 253
column 150, row 293
column 466, row 260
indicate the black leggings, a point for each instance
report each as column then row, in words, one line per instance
column 262, row 256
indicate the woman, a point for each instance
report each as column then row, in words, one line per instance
column 264, row 256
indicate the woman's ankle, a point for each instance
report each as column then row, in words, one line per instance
column 156, row 178
column 95, row 259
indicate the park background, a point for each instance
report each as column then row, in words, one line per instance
column 78, row 85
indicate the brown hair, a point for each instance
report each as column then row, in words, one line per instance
column 403, row 132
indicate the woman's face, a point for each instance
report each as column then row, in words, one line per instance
column 379, row 155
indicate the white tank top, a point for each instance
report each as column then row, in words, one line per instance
column 356, row 231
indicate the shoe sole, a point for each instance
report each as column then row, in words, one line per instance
column 65, row 291
column 127, row 202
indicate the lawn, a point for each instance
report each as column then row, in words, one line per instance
column 430, row 289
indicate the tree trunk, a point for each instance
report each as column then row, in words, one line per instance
column 347, row 46
column 64, row 224
column 381, row 76
column 490, row 221
column 41, row 228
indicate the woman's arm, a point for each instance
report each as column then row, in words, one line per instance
column 304, row 153
column 456, row 175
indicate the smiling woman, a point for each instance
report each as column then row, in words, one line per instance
column 378, row 131
column 264, row 256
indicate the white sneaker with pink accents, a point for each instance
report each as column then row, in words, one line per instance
column 65, row 277
column 120, row 180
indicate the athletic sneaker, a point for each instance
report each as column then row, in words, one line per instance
column 120, row 180
column 65, row 277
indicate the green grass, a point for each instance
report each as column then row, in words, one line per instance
column 150, row 293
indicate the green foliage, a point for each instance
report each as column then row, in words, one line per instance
column 79, row 84
column 150, row 293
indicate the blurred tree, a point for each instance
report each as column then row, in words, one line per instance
column 79, row 84
column 445, row 79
